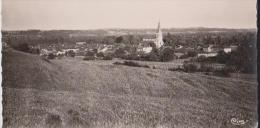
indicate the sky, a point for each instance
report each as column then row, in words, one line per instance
column 99, row 14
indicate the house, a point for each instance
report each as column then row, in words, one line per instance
column 5, row 45
column 212, row 48
column 208, row 54
column 46, row 52
column 184, row 50
column 210, row 51
column 178, row 47
column 80, row 43
column 61, row 53
column 76, row 51
column 227, row 50
column 105, row 48
column 230, row 49
column 145, row 47
column 178, row 54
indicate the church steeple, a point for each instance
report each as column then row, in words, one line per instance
column 159, row 38
column 159, row 27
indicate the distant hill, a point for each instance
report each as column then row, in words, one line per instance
column 121, row 31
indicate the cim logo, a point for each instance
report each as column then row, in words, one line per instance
column 236, row 121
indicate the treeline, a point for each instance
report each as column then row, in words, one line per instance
column 189, row 39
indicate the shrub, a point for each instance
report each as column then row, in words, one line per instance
column 108, row 57
column 204, row 68
column 131, row 63
column 154, row 55
column 53, row 121
column 132, row 56
column 192, row 53
column 71, row 53
column 221, row 73
column 167, row 54
column 176, row 69
column 89, row 58
column 189, row 67
column 188, row 54
column 51, row 56
column 24, row 47
column 35, row 50
column 90, row 53
column 117, row 63
column 222, row 57
column 100, row 54
column 120, row 53
column 202, row 59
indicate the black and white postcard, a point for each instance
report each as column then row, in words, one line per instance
column 129, row 64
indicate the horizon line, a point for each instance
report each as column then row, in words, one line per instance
column 114, row 28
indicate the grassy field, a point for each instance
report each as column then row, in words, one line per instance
column 70, row 92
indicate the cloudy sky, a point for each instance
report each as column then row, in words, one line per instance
column 95, row 14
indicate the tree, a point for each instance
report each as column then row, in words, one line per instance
column 222, row 57
column 167, row 54
column 24, row 47
column 120, row 52
column 71, row 53
column 168, row 40
column 119, row 39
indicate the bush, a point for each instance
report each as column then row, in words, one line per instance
column 176, row 69
column 100, row 54
column 24, row 47
column 131, row 63
column 53, row 121
column 192, row 53
column 154, row 55
column 167, row 54
column 51, row 56
column 202, row 59
column 89, row 58
column 108, row 57
column 120, row 53
column 90, row 53
column 221, row 73
column 189, row 67
column 204, row 68
column 188, row 54
column 131, row 57
column 35, row 50
column 70, row 53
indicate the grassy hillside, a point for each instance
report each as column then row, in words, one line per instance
column 70, row 92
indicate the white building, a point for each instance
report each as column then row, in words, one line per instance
column 230, row 49
column 227, row 50
column 147, row 49
column 211, row 54
column 158, row 41
column 159, row 37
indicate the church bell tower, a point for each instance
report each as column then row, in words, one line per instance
column 159, row 37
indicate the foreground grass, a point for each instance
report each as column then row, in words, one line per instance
column 99, row 94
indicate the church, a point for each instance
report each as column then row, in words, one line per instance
column 146, row 47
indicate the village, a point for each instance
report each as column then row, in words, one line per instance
column 145, row 46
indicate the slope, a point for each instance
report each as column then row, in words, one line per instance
column 106, row 95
